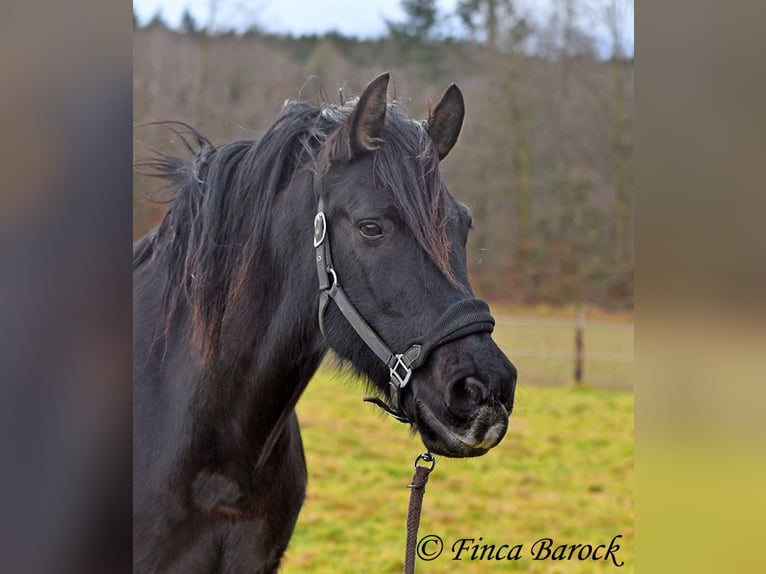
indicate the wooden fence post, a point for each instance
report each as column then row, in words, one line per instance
column 579, row 365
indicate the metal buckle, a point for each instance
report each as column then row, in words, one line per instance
column 320, row 228
column 399, row 378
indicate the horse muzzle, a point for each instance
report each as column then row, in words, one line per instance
column 485, row 431
column 466, row 416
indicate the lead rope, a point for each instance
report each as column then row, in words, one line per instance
column 417, row 491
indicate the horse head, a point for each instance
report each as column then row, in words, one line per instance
column 398, row 261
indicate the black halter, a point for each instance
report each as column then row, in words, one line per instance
column 465, row 317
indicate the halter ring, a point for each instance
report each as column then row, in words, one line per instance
column 426, row 457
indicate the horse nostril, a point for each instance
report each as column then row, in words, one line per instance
column 464, row 395
column 506, row 392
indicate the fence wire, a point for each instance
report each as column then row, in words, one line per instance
column 543, row 350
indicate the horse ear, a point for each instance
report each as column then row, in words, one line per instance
column 446, row 120
column 366, row 121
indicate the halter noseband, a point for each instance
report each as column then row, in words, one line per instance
column 462, row 318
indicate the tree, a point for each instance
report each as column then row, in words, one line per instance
column 485, row 16
column 188, row 23
column 157, row 20
column 507, row 30
column 422, row 16
column 621, row 140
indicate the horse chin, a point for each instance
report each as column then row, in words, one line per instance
column 485, row 431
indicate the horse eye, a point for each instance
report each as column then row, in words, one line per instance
column 370, row 229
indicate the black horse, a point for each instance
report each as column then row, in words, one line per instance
column 237, row 298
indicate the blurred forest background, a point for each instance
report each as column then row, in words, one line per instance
column 544, row 160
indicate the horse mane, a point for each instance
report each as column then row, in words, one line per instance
column 221, row 210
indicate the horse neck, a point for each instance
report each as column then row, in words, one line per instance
column 271, row 344
column 285, row 346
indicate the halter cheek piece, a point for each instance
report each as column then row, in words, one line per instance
column 465, row 317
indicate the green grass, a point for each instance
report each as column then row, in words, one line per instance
column 564, row 471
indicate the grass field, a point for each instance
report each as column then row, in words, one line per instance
column 564, row 470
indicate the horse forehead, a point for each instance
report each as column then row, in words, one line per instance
column 358, row 171
column 354, row 178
